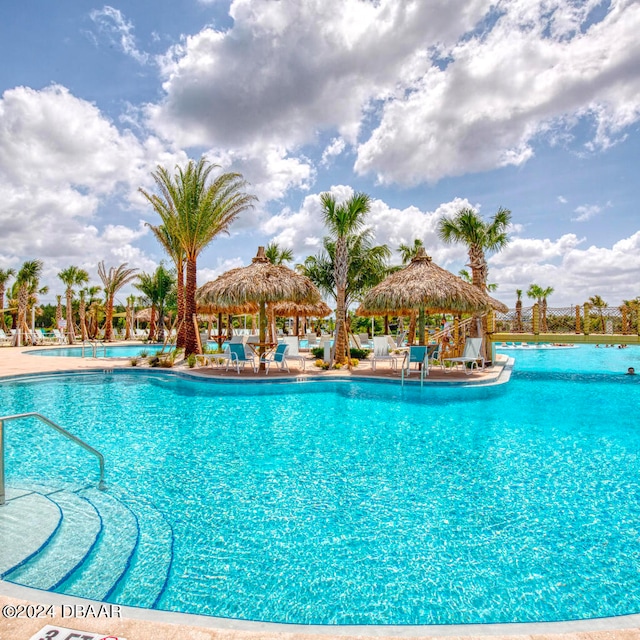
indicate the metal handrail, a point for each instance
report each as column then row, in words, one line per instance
column 101, row 484
column 94, row 347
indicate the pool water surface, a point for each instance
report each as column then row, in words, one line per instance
column 348, row 502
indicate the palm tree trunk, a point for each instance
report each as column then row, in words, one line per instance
column 83, row 320
column 182, row 325
column 128, row 322
column 23, row 299
column 411, row 335
column 341, row 267
column 70, row 334
column 161, row 323
column 108, row 323
column 191, row 339
column 519, row 316
column 3, row 325
column 152, row 324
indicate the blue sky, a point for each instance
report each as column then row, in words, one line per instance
column 427, row 106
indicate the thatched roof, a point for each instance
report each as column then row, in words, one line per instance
column 424, row 284
column 261, row 281
column 293, row 309
column 210, row 309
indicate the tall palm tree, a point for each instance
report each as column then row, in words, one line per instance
column 156, row 286
column 343, row 221
column 112, row 281
column 194, row 211
column 545, row 294
column 71, row 277
column 27, row 281
column 171, row 244
column 58, row 312
column 82, row 313
column 468, row 227
column 519, row 310
column 599, row 304
column 131, row 300
column 540, row 294
column 93, row 309
column 5, row 274
column 466, row 276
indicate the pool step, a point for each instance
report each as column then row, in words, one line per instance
column 84, row 542
column 66, row 550
column 28, row 521
column 145, row 580
column 101, row 569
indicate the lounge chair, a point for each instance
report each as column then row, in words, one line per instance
column 471, row 355
column 239, row 355
column 382, row 352
column 400, row 339
column 293, row 352
column 279, row 356
column 4, row 338
column 418, row 355
column 312, row 340
column 58, row 336
column 434, row 353
column 354, row 342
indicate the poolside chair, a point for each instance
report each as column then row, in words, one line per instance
column 418, row 355
column 58, row 336
column 400, row 339
column 293, row 352
column 382, row 353
column 471, row 354
column 354, row 342
column 364, row 340
column 4, row 338
column 239, row 355
column 312, row 340
column 279, row 356
column 434, row 353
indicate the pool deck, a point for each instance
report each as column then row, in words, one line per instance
column 141, row 624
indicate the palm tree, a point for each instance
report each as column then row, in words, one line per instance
column 27, row 281
column 131, row 300
column 58, row 312
column 519, row 310
column 112, row 281
column 343, row 221
column 545, row 294
column 156, row 287
column 480, row 237
column 72, row 276
column 194, row 213
column 599, row 304
column 276, row 255
column 5, row 274
column 93, row 309
column 171, row 244
column 540, row 294
column 466, row 276
column 82, row 313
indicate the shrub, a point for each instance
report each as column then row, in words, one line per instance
column 134, row 362
column 144, row 353
column 358, row 354
column 321, row 364
column 191, row 360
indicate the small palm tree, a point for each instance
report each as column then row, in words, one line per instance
column 27, row 282
column 93, row 309
column 519, row 310
column 72, row 276
column 194, row 211
column 599, row 304
column 112, row 281
column 276, row 255
column 407, row 253
column 343, row 221
column 156, row 287
column 5, row 274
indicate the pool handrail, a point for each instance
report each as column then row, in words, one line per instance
column 19, row 416
column 94, row 347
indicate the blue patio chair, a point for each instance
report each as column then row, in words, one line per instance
column 418, row 355
column 279, row 356
column 238, row 355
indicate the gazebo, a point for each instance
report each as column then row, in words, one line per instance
column 261, row 283
column 424, row 286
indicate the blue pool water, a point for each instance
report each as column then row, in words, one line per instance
column 116, row 351
column 363, row 503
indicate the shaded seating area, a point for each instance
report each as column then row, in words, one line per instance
column 382, row 352
column 239, row 355
column 418, row 356
column 293, row 352
column 278, row 357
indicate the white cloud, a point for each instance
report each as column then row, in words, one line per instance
column 534, row 74
column 333, row 149
column 113, row 24
column 586, row 212
column 562, row 200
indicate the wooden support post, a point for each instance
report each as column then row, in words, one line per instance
column 535, row 319
column 578, row 329
column 586, row 319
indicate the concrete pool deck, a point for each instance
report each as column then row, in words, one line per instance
column 142, row 624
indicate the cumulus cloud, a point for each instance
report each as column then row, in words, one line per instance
column 63, row 167
column 333, row 149
column 112, row 24
column 540, row 70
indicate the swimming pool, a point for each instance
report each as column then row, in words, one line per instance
column 106, row 351
column 341, row 502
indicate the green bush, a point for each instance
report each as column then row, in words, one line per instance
column 191, row 360
column 358, row 354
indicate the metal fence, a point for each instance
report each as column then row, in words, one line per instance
column 584, row 319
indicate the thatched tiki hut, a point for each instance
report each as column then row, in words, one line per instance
column 297, row 310
column 210, row 310
column 262, row 282
column 425, row 286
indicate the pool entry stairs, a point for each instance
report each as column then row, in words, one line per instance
column 84, row 542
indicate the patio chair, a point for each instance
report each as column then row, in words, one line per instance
column 4, row 338
column 382, row 353
column 400, row 339
column 293, row 352
column 354, row 342
column 418, row 355
column 279, row 356
column 471, row 354
column 239, row 355
column 58, row 336
column 364, row 340
column 434, row 352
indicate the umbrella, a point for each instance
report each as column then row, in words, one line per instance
column 262, row 282
column 423, row 285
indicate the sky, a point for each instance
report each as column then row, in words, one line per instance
column 427, row 106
